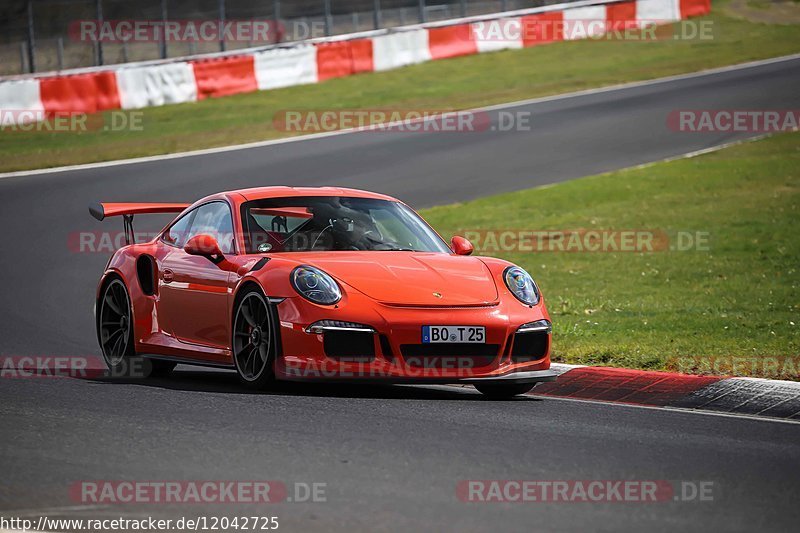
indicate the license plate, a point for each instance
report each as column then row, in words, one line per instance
column 436, row 334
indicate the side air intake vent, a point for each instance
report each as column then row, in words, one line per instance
column 145, row 271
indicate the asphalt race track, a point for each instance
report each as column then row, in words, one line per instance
column 391, row 456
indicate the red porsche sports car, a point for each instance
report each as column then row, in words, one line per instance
column 289, row 283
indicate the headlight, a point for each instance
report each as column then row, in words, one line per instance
column 315, row 285
column 521, row 285
column 540, row 326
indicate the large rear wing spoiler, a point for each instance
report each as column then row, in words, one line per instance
column 102, row 210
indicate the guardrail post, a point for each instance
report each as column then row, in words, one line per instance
column 376, row 14
column 163, row 43
column 422, row 16
column 328, row 19
column 31, row 40
column 222, row 18
column 463, row 4
column 276, row 20
column 22, row 54
column 60, row 52
column 98, row 9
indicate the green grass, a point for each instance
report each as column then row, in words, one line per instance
column 734, row 308
column 759, row 4
column 458, row 83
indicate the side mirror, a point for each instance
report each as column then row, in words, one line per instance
column 204, row 245
column 461, row 246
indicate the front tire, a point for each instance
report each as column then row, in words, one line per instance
column 254, row 342
column 502, row 391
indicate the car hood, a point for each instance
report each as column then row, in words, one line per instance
column 413, row 278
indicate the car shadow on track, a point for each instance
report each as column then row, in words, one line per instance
column 223, row 381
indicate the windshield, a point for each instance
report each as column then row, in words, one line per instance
column 318, row 223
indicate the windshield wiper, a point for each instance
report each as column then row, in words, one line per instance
column 398, row 249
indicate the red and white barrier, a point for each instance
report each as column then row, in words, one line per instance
column 133, row 86
column 80, row 93
column 223, row 76
column 284, row 67
column 500, row 34
column 21, row 101
column 451, row 41
column 621, row 16
column 400, row 48
column 344, row 58
column 173, row 83
column 694, row 8
column 543, row 28
column 658, row 10
column 584, row 22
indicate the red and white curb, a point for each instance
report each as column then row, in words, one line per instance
column 720, row 394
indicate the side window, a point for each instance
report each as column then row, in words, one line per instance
column 214, row 219
column 177, row 234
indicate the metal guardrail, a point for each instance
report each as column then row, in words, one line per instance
column 562, row 4
column 35, row 35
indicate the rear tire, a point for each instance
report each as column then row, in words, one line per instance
column 504, row 391
column 115, row 331
column 254, row 339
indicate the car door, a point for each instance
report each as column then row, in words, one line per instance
column 194, row 291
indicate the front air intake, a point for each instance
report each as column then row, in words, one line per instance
column 530, row 346
column 356, row 346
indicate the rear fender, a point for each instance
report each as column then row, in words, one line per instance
column 123, row 266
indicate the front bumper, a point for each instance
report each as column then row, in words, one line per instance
column 396, row 344
column 530, row 376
